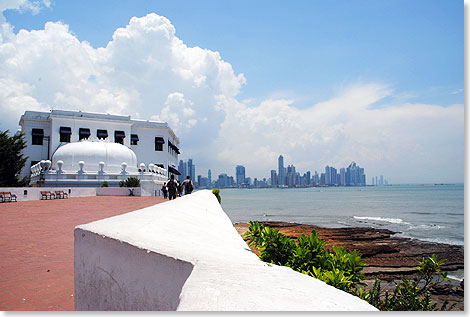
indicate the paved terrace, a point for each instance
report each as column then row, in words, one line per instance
column 36, row 247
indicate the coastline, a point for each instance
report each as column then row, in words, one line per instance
column 387, row 257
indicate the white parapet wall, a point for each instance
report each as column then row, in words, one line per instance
column 34, row 193
column 186, row 255
column 118, row 191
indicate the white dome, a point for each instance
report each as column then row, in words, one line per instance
column 92, row 153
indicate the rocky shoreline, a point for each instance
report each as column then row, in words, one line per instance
column 387, row 257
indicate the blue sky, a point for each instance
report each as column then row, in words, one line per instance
column 305, row 53
column 302, row 48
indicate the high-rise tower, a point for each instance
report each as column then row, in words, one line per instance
column 281, row 173
column 240, row 174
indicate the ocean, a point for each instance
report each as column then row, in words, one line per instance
column 433, row 213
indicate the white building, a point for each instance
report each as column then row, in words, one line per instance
column 140, row 142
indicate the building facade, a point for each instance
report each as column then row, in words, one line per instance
column 45, row 132
column 281, row 175
column 240, row 174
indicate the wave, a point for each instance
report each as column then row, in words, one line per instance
column 431, row 226
column 389, row 220
column 432, row 240
column 455, row 278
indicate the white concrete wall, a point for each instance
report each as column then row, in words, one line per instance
column 117, row 191
column 113, row 270
column 119, row 284
column 93, row 124
column 34, row 193
column 34, row 152
column 145, row 148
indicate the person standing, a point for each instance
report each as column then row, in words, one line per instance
column 188, row 185
column 180, row 189
column 172, row 187
column 164, row 191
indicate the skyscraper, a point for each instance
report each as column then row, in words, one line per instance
column 327, row 175
column 281, row 171
column 181, row 169
column 273, row 178
column 189, row 171
column 342, row 176
column 240, row 174
column 209, row 176
column 355, row 175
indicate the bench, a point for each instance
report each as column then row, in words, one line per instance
column 47, row 195
column 7, row 197
column 61, row 194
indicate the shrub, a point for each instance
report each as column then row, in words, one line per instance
column 409, row 295
column 308, row 255
column 216, row 192
column 105, row 184
column 274, row 246
column 343, row 269
column 130, row 182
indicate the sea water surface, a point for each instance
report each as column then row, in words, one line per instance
column 433, row 213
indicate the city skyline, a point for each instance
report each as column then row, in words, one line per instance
column 353, row 175
column 380, row 83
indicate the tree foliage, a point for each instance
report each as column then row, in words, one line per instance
column 12, row 160
column 216, row 192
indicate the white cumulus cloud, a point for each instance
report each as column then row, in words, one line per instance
column 403, row 141
column 23, row 5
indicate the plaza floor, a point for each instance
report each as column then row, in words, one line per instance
column 36, row 247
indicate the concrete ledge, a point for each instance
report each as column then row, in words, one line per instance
column 117, row 191
column 34, row 193
column 186, row 255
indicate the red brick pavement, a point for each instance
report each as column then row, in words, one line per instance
column 36, row 247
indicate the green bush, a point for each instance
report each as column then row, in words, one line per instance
column 130, row 182
column 308, row 255
column 216, row 192
column 274, row 246
column 409, row 295
column 105, row 184
column 343, row 269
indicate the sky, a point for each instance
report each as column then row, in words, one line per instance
column 380, row 83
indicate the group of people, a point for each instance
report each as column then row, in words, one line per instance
column 172, row 188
